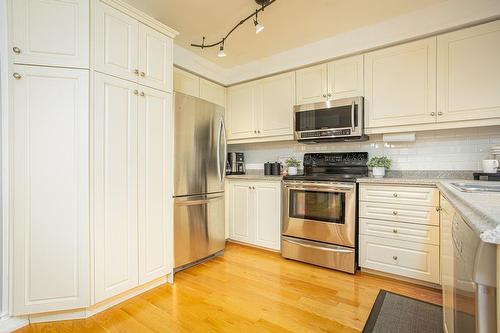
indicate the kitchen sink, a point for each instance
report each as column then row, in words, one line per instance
column 465, row 187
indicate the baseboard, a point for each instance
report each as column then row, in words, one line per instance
column 10, row 324
column 99, row 307
column 400, row 278
column 229, row 240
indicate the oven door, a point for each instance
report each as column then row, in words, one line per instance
column 324, row 212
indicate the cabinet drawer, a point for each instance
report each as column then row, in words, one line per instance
column 417, row 233
column 424, row 196
column 413, row 260
column 399, row 213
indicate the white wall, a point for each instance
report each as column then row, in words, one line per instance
column 461, row 149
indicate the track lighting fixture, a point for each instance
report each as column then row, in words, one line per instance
column 258, row 28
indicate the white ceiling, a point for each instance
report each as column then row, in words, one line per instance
column 288, row 23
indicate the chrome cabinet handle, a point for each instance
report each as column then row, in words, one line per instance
column 143, row 74
column 440, row 113
column 394, row 213
column 136, row 92
column 142, row 93
column 395, row 257
column 136, row 71
column 17, row 76
column 395, row 195
column 433, row 114
column 16, row 50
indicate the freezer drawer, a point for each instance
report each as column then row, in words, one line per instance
column 198, row 227
column 321, row 254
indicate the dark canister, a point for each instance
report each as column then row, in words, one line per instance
column 268, row 169
column 276, row 169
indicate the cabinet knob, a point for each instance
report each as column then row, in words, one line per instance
column 395, row 257
column 258, row 131
column 439, row 209
column 395, row 195
column 249, row 187
column 143, row 74
column 329, row 95
column 16, row 50
column 136, row 92
column 253, row 188
column 395, row 231
column 394, row 213
column 440, row 113
column 142, row 93
column 17, row 76
column 433, row 114
column 136, row 71
column 255, row 131
column 324, row 95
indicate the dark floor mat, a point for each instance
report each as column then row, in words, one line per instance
column 396, row 313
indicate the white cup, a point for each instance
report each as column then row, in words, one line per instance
column 490, row 166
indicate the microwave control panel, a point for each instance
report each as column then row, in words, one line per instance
column 325, row 133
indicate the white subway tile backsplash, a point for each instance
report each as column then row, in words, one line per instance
column 459, row 149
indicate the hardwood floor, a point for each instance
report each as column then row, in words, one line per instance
column 248, row 290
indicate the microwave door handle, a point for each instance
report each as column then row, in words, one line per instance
column 353, row 109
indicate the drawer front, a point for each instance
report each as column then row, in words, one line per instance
column 399, row 213
column 418, row 233
column 417, row 261
column 423, row 196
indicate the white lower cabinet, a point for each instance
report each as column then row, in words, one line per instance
column 132, row 191
column 50, row 189
column 399, row 231
column 255, row 212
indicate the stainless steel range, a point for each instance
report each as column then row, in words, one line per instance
column 319, row 210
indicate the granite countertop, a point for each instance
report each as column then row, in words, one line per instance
column 257, row 174
column 481, row 210
column 425, row 177
column 399, row 181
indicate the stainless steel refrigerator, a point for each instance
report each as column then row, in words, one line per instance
column 199, row 171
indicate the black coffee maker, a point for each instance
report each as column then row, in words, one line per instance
column 235, row 164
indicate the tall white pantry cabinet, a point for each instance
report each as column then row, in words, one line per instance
column 90, row 180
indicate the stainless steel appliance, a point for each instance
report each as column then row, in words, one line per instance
column 199, row 171
column 474, row 280
column 319, row 210
column 236, row 162
column 336, row 120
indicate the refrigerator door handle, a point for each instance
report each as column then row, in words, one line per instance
column 224, row 155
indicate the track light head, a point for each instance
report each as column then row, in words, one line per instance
column 221, row 53
column 258, row 27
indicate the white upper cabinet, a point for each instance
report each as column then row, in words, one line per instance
column 312, row 84
column 345, row 78
column 154, row 181
column 50, row 189
column 212, row 92
column 116, row 42
column 115, row 186
column 52, row 33
column 468, row 74
column 400, row 84
column 337, row 79
column 240, row 116
column 277, row 98
column 186, row 83
column 130, row 50
column 155, row 59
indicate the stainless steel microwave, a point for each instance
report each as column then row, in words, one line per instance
column 335, row 120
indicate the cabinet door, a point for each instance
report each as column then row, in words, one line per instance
column 276, row 111
column 155, row 59
column 213, row 92
column 400, row 84
column 240, row 212
column 155, row 187
column 446, row 214
column 186, row 83
column 116, row 42
column 53, row 33
column 115, row 186
column 241, row 111
column 345, row 78
column 312, row 84
column 469, row 73
column 50, row 189
column 267, row 221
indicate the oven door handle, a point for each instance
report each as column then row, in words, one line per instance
column 330, row 249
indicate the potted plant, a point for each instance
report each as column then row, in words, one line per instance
column 292, row 164
column 378, row 165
